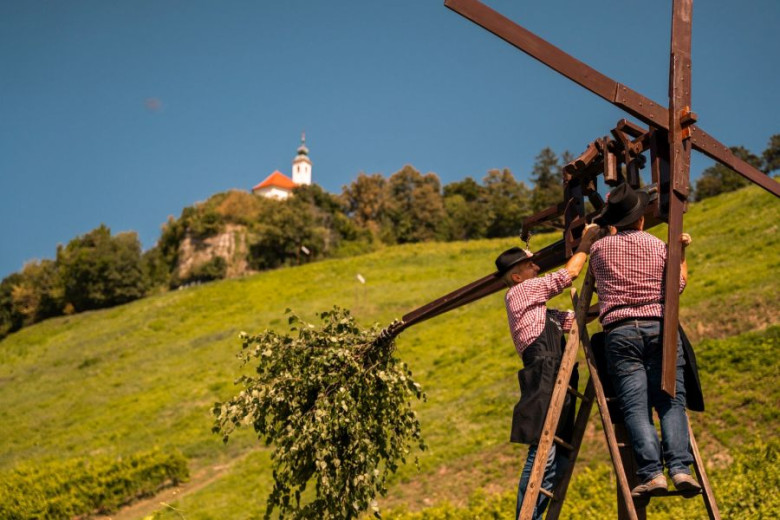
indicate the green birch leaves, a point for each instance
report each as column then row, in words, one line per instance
column 336, row 404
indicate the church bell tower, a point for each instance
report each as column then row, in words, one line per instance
column 301, row 165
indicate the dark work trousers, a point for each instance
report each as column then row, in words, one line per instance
column 634, row 353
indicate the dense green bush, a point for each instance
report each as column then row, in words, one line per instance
column 92, row 271
column 286, row 227
column 336, row 405
column 214, row 269
column 99, row 270
column 749, row 487
column 10, row 319
column 202, row 222
column 32, row 295
column 64, row 489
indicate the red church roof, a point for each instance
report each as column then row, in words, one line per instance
column 276, row 179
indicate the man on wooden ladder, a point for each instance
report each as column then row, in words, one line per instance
column 628, row 267
column 537, row 333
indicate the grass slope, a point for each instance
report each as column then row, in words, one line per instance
column 145, row 374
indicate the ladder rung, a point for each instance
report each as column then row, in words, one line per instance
column 575, row 393
column 563, row 443
column 621, row 444
column 686, row 494
column 546, row 493
column 610, row 399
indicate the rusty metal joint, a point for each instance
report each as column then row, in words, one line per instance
column 687, row 119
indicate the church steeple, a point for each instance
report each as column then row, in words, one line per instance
column 301, row 166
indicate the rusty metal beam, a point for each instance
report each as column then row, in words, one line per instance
column 547, row 258
column 616, row 93
column 545, row 216
column 710, row 147
column 680, row 164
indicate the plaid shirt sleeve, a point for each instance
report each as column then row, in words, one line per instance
column 526, row 307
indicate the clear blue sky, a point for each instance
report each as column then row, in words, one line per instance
column 125, row 112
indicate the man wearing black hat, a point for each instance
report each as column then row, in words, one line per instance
column 537, row 333
column 628, row 267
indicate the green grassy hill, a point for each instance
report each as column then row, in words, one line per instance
column 145, row 375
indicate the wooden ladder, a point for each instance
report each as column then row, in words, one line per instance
column 616, row 435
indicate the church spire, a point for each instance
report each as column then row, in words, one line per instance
column 301, row 166
column 302, row 150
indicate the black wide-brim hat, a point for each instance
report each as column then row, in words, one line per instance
column 510, row 258
column 624, row 206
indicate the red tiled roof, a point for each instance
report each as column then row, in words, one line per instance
column 276, row 179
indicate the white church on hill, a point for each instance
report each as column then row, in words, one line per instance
column 278, row 185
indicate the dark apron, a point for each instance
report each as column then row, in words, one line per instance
column 694, row 397
column 541, row 360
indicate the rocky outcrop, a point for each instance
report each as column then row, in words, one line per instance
column 230, row 245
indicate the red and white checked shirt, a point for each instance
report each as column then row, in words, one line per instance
column 629, row 272
column 526, row 307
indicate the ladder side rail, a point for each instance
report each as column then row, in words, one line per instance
column 698, row 466
column 581, row 306
column 630, row 468
column 557, row 400
column 580, row 425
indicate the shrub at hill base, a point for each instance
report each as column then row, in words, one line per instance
column 336, row 405
column 64, row 489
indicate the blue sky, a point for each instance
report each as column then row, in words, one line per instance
column 125, row 112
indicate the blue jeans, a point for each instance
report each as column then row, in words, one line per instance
column 556, row 466
column 634, row 352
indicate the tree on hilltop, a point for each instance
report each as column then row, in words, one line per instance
column 10, row 320
column 466, row 205
column 508, row 203
column 719, row 179
column 364, row 200
column 547, row 179
column 283, row 229
column 99, row 270
column 39, row 293
column 771, row 155
column 415, row 207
